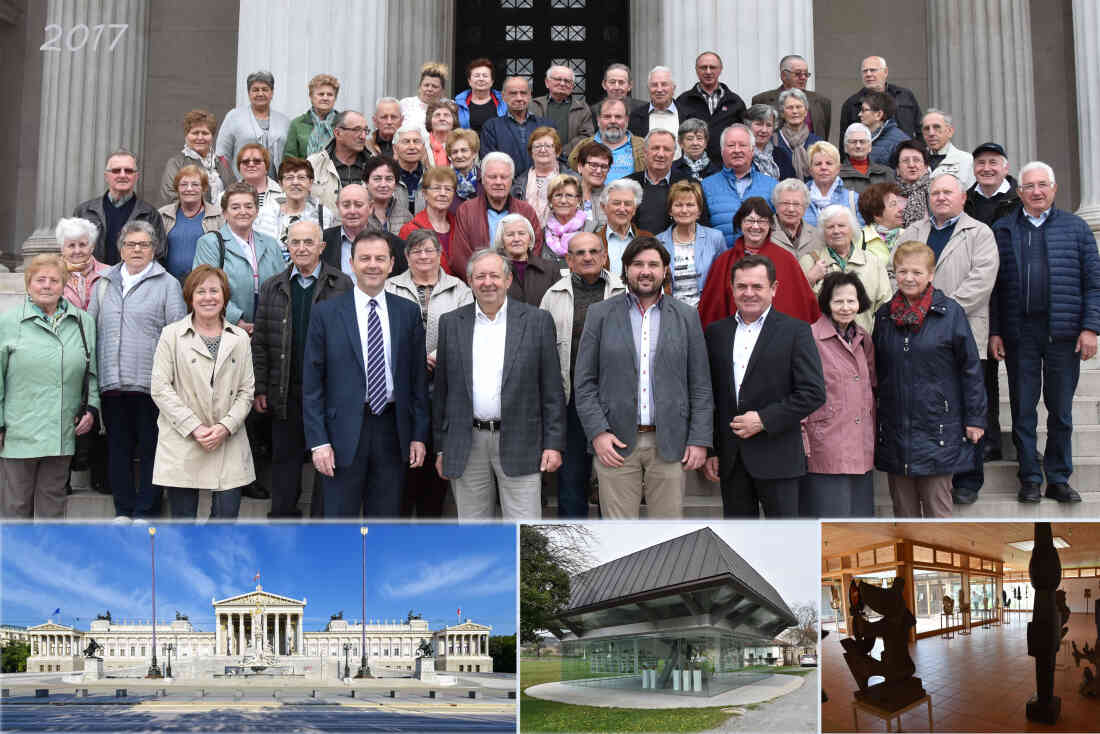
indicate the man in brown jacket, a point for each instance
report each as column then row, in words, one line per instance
column 794, row 72
column 476, row 220
column 569, row 115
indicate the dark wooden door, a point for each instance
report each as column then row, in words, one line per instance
column 527, row 37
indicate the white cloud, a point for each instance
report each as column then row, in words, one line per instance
column 471, row 574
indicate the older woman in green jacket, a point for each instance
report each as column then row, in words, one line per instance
column 48, row 392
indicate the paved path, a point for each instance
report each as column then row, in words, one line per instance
column 761, row 690
column 795, row 712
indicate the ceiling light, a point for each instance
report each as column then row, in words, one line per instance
column 1028, row 545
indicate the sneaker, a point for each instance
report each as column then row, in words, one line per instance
column 122, row 520
column 1062, row 492
column 1029, row 492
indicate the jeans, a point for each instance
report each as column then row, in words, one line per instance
column 576, row 467
column 131, row 421
column 1037, row 364
column 224, row 504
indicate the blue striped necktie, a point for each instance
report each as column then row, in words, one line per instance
column 376, row 361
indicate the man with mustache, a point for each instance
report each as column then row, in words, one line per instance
column 642, row 389
column 499, row 408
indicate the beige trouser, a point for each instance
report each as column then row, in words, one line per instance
column 621, row 487
column 909, row 493
column 34, row 487
column 476, row 490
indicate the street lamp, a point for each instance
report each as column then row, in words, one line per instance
column 364, row 670
column 154, row 670
column 168, row 665
column 347, row 669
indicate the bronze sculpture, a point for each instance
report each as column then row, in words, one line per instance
column 948, row 605
column 1044, row 631
column 92, row 648
column 900, row 687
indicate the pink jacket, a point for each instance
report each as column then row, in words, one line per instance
column 841, row 433
column 78, row 288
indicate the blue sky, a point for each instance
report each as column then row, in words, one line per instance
column 432, row 569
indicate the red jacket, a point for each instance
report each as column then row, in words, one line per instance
column 471, row 230
column 421, row 221
column 794, row 296
column 841, row 433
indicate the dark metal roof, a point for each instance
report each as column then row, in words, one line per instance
column 690, row 559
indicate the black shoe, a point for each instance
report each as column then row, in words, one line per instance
column 992, row 453
column 255, row 491
column 1029, row 492
column 1062, row 492
column 963, row 496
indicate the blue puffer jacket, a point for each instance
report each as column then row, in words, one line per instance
column 723, row 201
column 930, row 387
column 1073, row 267
column 462, row 100
column 883, row 144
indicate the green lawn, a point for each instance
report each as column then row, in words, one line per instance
column 538, row 715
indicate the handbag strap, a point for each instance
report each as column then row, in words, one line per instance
column 221, row 250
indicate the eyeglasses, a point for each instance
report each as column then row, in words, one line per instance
column 427, row 250
column 138, row 245
column 127, row 171
column 1040, row 186
column 441, row 189
column 562, row 79
column 543, row 146
column 252, row 161
column 799, row 74
column 292, row 177
column 754, row 222
column 598, row 166
column 381, row 179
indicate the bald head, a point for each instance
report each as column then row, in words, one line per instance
column 586, row 256
column 353, row 203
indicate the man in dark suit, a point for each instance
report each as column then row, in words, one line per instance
column 643, row 391
column 354, row 210
column 365, row 388
column 499, row 417
column 767, row 378
column 794, row 72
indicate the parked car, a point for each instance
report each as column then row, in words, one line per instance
column 808, row 661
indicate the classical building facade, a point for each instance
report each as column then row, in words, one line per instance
column 260, row 622
column 82, row 79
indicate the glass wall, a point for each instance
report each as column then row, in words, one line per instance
column 702, row 664
column 1024, row 589
column 929, row 588
column 832, row 612
column 981, row 594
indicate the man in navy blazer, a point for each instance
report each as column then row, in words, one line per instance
column 365, row 389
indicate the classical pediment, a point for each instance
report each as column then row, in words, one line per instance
column 469, row 627
column 260, row 598
column 50, row 627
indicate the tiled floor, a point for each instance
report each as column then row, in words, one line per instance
column 979, row 683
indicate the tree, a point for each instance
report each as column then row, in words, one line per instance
column 14, row 657
column 503, row 651
column 549, row 555
column 806, row 631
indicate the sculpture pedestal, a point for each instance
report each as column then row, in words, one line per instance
column 93, row 669
column 893, row 696
column 1044, row 713
column 889, row 715
column 425, row 669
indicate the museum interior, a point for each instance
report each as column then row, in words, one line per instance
column 926, row 626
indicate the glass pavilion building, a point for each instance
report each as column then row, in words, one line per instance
column 680, row 617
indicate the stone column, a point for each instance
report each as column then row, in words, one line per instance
column 279, row 634
column 240, row 633
column 980, row 72
column 1086, row 46
column 425, row 30
column 93, row 102
column 300, row 631
column 673, row 32
column 355, row 48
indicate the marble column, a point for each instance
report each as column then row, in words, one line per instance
column 1086, row 46
column 346, row 38
column 299, row 631
column 425, row 30
column 980, row 72
column 93, row 103
column 240, row 633
column 751, row 39
column 279, row 634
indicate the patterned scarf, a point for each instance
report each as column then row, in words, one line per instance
column 558, row 234
column 467, row 183
column 888, row 235
column 321, row 133
column 697, row 167
column 916, row 199
column 764, row 162
column 847, row 333
column 796, row 141
column 910, row 315
column 210, row 165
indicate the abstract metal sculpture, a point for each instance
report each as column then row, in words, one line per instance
column 900, row 688
column 948, row 605
column 1044, row 631
column 1091, row 685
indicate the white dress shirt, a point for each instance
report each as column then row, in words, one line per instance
column 488, row 363
column 129, row 281
column 362, row 313
column 743, row 343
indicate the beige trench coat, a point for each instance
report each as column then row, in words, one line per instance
column 871, row 272
column 966, row 270
column 190, row 390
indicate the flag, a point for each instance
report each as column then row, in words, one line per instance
column 256, row 577
column 57, row 611
column 459, row 612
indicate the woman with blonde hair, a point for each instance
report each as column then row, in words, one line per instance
column 311, row 131
column 432, row 88
column 826, row 186
column 565, row 218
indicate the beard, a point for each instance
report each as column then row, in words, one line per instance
column 613, row 134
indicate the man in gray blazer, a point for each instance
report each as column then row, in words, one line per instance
column 642, row 386
column 499, row 409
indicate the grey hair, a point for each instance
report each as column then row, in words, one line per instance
column 934, row 111
column 790, row 184
column 789, row 58
column 526, row 80
column 656, row 69
column 792, row 92
column 856, row 127
column 121, row 151
column 659, row 131
column 73, row 228
column 560, row 66
column 762, row 112
column 422, row 235
column 342, row 116
column 947, row 174
column 622, row 184
column 737, row 126
column 482, row 254
column 137, row 225
column 619, row 67
column 835, row 210
column 498, row 238
column 260, row 76
column 693, row 125
column 386, row 100
column 498, row 157
column 316, row 226
column 408, row 127
column 1037, row 165
column 710, row 53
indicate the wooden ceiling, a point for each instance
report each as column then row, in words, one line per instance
column 989, row 539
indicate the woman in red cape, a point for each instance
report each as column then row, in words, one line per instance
column 793, row 296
